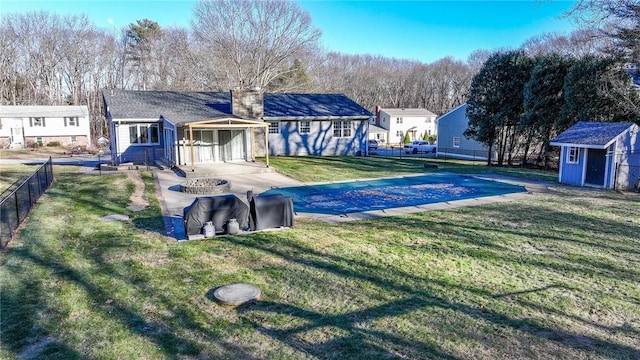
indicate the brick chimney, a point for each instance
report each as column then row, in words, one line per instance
column 247, row 103
column 377, row 115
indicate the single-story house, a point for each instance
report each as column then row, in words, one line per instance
column 451, row 139
column 22, row 126
column 600, row 154
column 398, row 122
column 185, row 128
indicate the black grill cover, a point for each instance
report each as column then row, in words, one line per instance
column 218, row 209
column 269, row 211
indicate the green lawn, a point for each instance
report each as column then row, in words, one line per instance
column 550, row 276
column 10, row 174
column 320, row 169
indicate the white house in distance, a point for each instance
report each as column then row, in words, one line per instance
column 21, row 126
column 398, row 122
column 451, row 139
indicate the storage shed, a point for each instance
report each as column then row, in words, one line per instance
column 600, row 154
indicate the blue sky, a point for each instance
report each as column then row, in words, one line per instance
column 419, row 30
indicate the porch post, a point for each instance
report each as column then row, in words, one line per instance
column 266, row 143
column 191, row 146
column 184, row 147
column 253, row 144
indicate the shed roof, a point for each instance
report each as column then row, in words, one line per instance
column 43, row 111
column 186, row 107
column 597, row 135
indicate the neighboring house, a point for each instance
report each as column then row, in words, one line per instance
column 605, row 155
column 451, row 139
column 398, row 122
column 379, row 134
column 22, row 126
column 204, row 127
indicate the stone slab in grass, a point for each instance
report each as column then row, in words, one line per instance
column 236, row 294
column 115, row 217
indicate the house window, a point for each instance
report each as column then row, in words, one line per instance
column 572, row 155
column 274, row 127
column 342, row 128
column 305, row 127
column 399, row 133
column 74, row 139
column 456, row 142
column 71, row 121
column 143, row 134
column 398, row 120
column 36, row 121
column 39, row 139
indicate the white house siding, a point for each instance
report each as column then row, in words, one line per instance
column 55, row 126
column 319, row 141
column 416, row 122
column 452, row 125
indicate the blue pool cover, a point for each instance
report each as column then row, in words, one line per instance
column 366, row 195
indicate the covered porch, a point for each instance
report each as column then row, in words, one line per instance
column 208, row 143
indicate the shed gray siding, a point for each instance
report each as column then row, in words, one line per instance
column 627, row 169
column 452, row 125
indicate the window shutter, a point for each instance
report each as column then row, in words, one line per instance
column 65, row 122
column 30, row 122
column 78, row 122
column 43, row 125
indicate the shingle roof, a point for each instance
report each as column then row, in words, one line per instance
column 408, row 112
column 173, row 105
column 591, row 134
column 184, row 107
column 312, row 106
column 43, row 110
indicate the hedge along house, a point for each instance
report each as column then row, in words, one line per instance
column 188, row 128
column 599, row 154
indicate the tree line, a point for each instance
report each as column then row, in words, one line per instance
column 51, row 59
column 519, row 101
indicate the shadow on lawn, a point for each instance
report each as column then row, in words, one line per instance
column 412, row 298
column 162, row 330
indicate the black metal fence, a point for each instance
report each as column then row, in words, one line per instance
column 17, row 201
column 441, row 153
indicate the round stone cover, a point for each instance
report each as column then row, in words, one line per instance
column 236, row 294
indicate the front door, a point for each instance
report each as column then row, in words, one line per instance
column 232, row 145
column 596, row 161
column 16, row 134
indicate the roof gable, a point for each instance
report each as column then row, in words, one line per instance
column 461, row 107
column 591, row 134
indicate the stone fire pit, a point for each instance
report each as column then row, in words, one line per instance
column 203, row 186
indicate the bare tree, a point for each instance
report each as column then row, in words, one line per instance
column 255, row 40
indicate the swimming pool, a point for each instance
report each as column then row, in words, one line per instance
column 366, row 195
